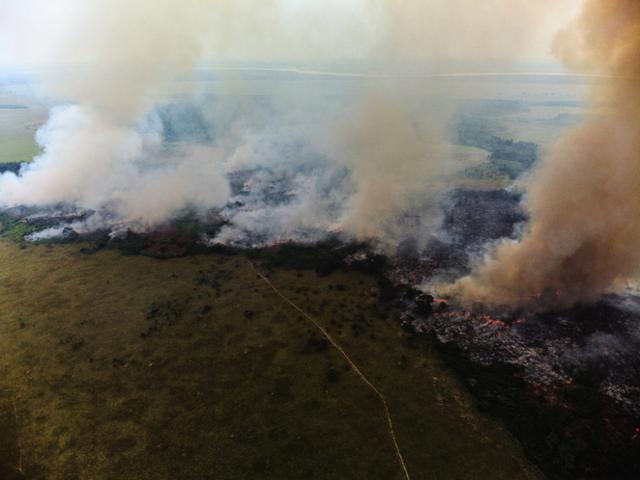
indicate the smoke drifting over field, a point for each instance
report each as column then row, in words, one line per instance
column 365, row 165
column 96, row 155
column 584, row 200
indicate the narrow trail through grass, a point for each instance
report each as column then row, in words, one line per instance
column 117, row 366
column 355, row 368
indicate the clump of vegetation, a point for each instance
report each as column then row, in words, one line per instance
column 162, row 315
column 13, row 167
column 15, row 229
column 507, row 158
column 324, row 257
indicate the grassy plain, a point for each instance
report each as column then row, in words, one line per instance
column 17, row 132
column 127, row 367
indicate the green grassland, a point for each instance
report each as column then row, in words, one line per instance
column 17, row 133
column 127, row 367
column 13, row 229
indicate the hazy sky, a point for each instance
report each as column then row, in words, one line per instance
column 46, row 32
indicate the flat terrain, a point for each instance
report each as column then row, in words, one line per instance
column 18, row 125
column 126, row 367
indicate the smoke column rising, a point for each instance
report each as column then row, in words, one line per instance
column 98, row 153
column 106, row 152
column 584, row 201
column 397, row 166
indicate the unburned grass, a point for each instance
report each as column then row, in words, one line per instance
column 191, row 368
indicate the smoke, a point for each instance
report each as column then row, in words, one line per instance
column 126, row 49
column 95, row 164
column 468, row 33
column 367, row 165
column 584, row 200
column 112, row 60
column 98, row 153
column 397, row 166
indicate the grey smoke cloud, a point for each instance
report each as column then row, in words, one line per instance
column 102, row 152
column 584, row 200
column 90, row 162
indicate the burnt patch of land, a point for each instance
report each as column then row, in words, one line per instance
column 566, row 383
column 476, row 217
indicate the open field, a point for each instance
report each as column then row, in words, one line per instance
column 17, row 133
column 117, row 366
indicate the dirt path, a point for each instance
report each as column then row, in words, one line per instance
column 355, row 368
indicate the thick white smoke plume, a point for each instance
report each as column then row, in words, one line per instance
column 366, row 164
column 96, row 153
column 92, row 163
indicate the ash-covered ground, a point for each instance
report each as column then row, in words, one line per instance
column 594, row 343
column 578, row 369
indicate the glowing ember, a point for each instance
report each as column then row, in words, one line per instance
column 492, row 322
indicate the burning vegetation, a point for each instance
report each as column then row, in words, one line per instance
column 528, row 289
column 583, row 199
column 573, row 372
